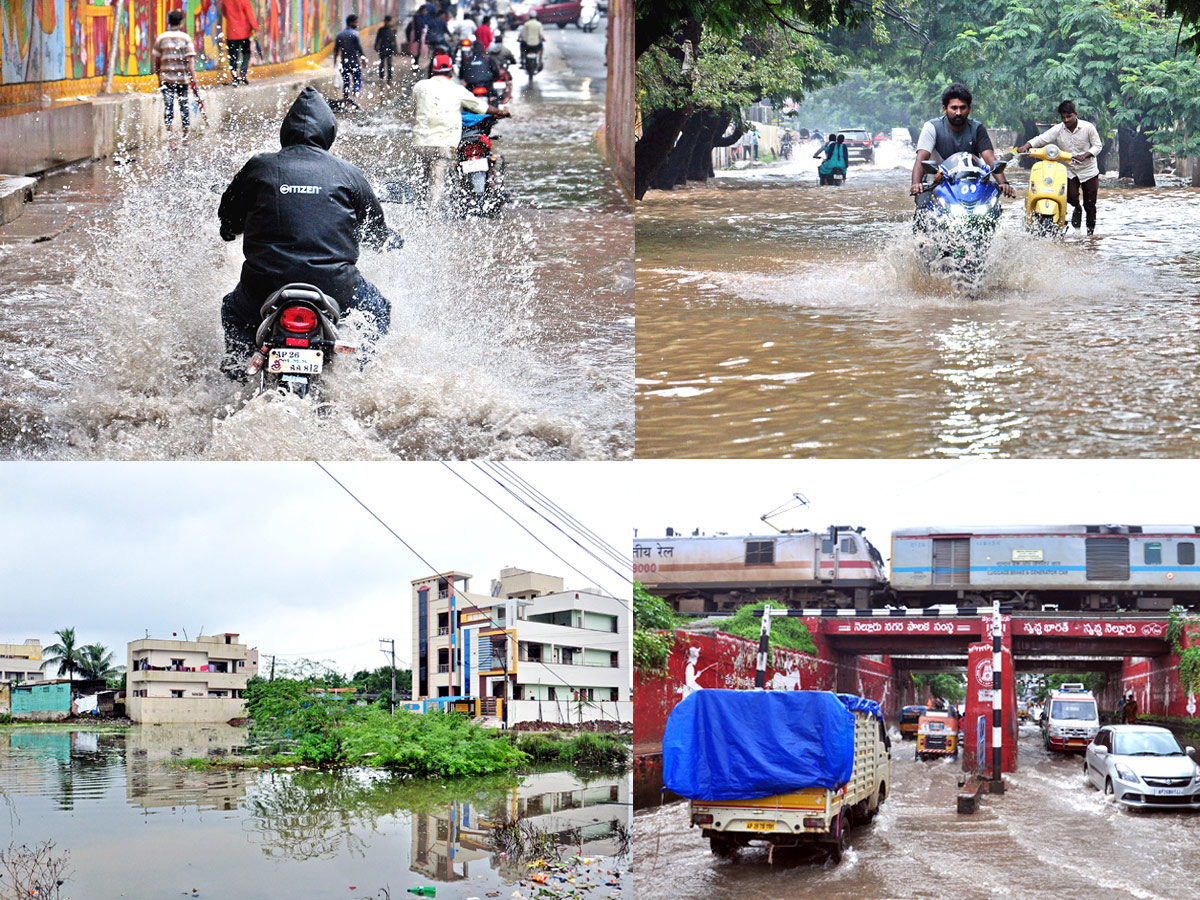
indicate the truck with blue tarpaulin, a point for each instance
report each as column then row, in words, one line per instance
column 785, row 767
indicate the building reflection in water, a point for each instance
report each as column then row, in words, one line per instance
column 591, row 816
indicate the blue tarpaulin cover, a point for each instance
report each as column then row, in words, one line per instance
column 735, row 745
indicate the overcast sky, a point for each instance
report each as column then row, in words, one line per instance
column 276, row 552
column 887, row 494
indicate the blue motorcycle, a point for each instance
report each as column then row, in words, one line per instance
column 956, row 217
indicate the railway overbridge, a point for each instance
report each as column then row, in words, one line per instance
column 873, row 655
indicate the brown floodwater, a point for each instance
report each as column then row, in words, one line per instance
column 511, row 337
column 777, row 318
column 1050, row 836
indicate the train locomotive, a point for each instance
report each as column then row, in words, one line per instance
column 835, row 568
column 1093, row 568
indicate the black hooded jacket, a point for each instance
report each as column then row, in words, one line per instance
column 302, row 210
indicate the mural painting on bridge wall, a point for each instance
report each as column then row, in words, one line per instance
column 54, row 40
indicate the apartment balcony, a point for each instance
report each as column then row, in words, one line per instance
column 216, row 681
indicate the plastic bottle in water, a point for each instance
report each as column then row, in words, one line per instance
column 426, row 891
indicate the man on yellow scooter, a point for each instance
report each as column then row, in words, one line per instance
column 1082, row 141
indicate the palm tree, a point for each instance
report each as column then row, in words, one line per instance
column 95, row 661
column 64, row 653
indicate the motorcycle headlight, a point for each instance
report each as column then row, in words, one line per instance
column 959, row 210
column 1127, row 774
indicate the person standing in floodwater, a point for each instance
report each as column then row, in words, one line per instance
column 1082, row 141
column 174, row 61
column 240, row 26
column 385, row 46
column 348, row 46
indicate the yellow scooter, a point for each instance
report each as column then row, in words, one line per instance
column 1046, row 199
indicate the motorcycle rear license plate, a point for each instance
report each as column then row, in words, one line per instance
column 474, row 165
column 297, row 362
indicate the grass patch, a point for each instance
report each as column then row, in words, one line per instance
column 593, row 752
column 788, row 633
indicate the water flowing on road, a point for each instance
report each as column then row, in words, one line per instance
column 511, row 337
column 1048, row 837
column 777, row 318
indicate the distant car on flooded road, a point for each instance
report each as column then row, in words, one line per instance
column 859, row 145
column 1143, row 766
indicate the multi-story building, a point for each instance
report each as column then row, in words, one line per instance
column 188, row 681
column 22, row 662
column 526, row 651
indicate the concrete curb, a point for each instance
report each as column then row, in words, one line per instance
column 15, row 192
column 41, row 140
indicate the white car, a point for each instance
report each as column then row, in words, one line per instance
column 1143, row 766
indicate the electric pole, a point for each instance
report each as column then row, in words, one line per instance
column 392, row 642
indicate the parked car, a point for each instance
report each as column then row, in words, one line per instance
column 910, row 720
column 554, row 12
column 1143, row 766
column 859, row 146
column 902, row 136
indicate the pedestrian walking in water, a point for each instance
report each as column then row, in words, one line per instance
column 174, row 62
column 385, row 46
column 1082, row 141
column 348, row 46
column 240, row 26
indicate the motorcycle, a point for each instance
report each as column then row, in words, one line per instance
column 531, row 60
column 1046, row 198
column 480, row 172
column 957, row 215
column 294, row 341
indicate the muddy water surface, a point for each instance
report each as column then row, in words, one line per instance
column 133, row 823
column 510, row 337
column 1050, row 836
column 779, row 318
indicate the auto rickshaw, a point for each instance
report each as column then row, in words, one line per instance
column 910, row 717
column 937, row 734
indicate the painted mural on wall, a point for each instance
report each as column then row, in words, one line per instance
column 53, row 40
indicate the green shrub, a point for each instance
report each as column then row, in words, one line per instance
column 790, row 634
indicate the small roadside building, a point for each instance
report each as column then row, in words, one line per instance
column 41, row 701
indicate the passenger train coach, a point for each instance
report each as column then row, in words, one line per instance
column 1078, row 567
column 1069, row 567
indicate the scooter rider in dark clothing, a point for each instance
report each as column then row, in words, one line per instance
column 302, row 212
column 479, row 69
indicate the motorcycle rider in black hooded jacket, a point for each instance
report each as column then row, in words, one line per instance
column 302, row 213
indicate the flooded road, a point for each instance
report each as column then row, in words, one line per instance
column 777, row 318
column 511, row 337
column 135, row 824
column 1050, row 836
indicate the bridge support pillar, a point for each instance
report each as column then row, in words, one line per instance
column 978, row 719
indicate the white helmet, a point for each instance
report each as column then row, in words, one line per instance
column 533, row 13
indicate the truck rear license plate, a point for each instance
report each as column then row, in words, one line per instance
column 760, row 826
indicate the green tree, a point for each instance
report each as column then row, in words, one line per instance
column 64, row 653
column 949, row 686
column 95, row 662
column 651, row 618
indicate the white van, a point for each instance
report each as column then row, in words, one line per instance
column 1070, row 718
column 901, row 136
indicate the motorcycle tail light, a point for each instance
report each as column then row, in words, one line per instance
column 479, row 91
column 477, row 149
column 296, row 342
column 298, row 319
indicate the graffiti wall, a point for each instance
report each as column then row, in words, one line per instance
column 63, row 40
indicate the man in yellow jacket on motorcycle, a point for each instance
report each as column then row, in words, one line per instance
column 1082, row 141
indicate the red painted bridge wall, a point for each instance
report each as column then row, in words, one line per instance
column 725, row 661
